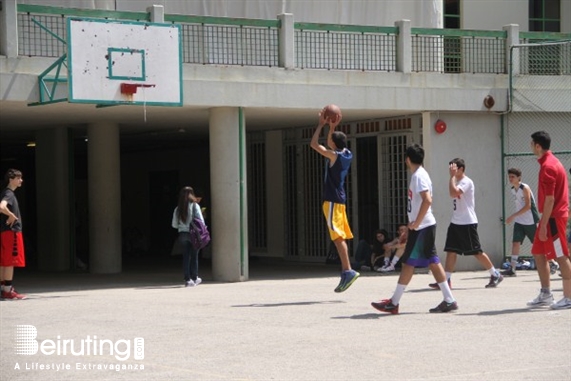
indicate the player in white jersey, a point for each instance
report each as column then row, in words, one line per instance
column 462, row 236
column 419, row 250
column 525, row 218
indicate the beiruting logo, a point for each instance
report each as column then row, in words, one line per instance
column 26, row 344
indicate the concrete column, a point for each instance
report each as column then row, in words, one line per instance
column 275, row 193
column 565, row 10
column 9, row 29
column 287, row 41
column 104, row 195
column 53, row 198
column 404, row 46
column 428, row 120
column 511, row 40
column 228, row 188
column 157, row 13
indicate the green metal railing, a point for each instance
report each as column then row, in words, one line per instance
column 254, row 42
column 35, row 41
column 345, row 47
column 228, row 41
column 458, row 50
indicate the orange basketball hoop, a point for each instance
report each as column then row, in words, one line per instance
column 129, row 89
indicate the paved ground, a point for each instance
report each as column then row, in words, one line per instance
column 286, row 323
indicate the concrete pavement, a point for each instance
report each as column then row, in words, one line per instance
column 286, row 323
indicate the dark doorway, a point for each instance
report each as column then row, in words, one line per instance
column 163, row 192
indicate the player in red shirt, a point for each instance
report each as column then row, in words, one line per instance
column 550, row 241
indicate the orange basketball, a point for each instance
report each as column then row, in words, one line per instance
column 332, row 113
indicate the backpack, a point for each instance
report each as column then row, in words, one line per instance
column 199, row 235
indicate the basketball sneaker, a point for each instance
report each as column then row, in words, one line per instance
column 13, row 295
column 444, row 307
column 386, row 305
column 347, row 279
column 387, row 269
column 495, row 280
column 543, row 299
column 553, row 267
column 189, row 283
column 563, row 304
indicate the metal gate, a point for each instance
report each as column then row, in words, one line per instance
column 379, row 161
column 540, row 99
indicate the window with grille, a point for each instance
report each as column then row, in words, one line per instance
column 544, row 15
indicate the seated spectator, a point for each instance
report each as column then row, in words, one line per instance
column 394, row 248
column 367, row 254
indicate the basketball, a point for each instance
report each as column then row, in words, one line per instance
column 332, row 113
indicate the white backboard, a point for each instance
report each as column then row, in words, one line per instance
column 144, row 57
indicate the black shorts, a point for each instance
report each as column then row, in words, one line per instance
column 420, row 250
column 463, row 239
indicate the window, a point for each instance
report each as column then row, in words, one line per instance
column 452, row 14
column 452, row 45
column 544, row 15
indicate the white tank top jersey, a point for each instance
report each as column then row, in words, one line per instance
column 519, row 199
column 419, row 182
column 463, row 206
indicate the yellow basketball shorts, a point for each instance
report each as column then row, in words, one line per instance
column 336, row 220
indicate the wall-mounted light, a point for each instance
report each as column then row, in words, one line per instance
column 31, row 144
column 489, row 102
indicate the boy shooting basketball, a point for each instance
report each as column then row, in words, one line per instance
column 334, row 197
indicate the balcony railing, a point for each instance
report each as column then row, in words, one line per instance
column 254, row 42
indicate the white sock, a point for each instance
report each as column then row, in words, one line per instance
column 386, row 260
column 394, row 261
column 493, row 271
column 448, row 275
column 398, row 293
column 514, row 261
column 446, row 292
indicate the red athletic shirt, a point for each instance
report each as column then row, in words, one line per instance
column 553, row 182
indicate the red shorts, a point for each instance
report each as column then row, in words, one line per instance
column 12, row 249
column 556, row 244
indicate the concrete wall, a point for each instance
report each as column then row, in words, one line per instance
column 407, row 93
column 422, row 13
column 566, row 16
column 492, row 15
column 476, row 139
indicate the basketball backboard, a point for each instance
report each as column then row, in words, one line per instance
column 114, row 62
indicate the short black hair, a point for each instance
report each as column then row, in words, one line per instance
column 339, row 139
column 542, row 138
column 459, row 163
column 415, row 153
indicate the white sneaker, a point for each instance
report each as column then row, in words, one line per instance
column 197, row 281
column 386, row 269
column 541, row 300
column 189, row 283
column 563, row 304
